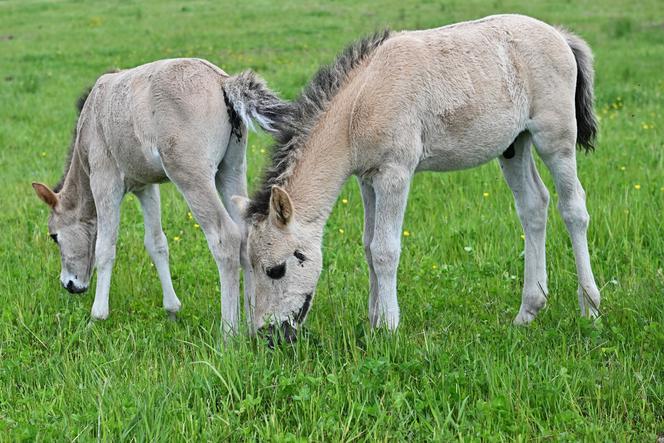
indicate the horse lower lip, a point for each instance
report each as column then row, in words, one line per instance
column 74, row 289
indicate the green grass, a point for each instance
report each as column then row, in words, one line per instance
column 456, row 369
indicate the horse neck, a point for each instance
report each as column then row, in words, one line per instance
column 321, row 171
column 76, row 192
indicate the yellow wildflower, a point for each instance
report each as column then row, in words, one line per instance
column 485, row 194
column 341, row 231
column 177, row 238
column 196, row 225
column 406, row 233
column 344, row 201
column 43, row 154
column 189, row 216
column 637, row 187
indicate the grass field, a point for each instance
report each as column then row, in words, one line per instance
column 456, row 369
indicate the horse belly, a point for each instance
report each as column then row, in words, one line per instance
column 450, row 148
column 456, row 156
column 471, row 134
column 142, row 165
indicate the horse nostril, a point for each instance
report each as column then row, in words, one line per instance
column 70, row 285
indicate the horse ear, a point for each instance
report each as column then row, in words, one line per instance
column 45, row 194
column 241, row 204
column 281, row 207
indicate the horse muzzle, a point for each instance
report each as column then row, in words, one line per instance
column 276, row 334
column 72, row 288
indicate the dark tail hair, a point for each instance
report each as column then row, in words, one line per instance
column 249, row 100
column 586, row 123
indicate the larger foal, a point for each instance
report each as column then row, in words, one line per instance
column 398, row 103
column 179, row 120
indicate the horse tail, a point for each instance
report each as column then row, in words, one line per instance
column 248, row 99
column 586, row 122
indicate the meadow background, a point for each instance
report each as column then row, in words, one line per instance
column 456, row 369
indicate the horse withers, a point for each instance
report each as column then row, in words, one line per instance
column 183, row 120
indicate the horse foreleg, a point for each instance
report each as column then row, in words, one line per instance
column 107, row 191
column 369, row 201
column 391, row 194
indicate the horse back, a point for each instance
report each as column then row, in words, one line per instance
column 138, row 113
column 460, row 94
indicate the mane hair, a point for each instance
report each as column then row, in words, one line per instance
column 80, row 102
column 293, row 127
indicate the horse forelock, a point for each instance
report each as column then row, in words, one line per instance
column 294, row 127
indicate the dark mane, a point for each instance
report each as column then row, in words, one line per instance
column 80, row 102
column 293, row 127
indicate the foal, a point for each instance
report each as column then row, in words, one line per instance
column 397, row 103
column 182, row 120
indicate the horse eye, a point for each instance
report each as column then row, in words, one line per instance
column 54, row 237
column 276, row 272
column 300, row 256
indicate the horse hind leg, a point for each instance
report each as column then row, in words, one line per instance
column 231, row 180
column 531, row 199
column 556, row 145
column 157, row 245
column 195, row 179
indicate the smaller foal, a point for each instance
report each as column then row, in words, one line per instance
column 182, row 120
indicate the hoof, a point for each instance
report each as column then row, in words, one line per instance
column 172, row 316
column 172, row 306
column 523, row 318
column 589, row 309
column 389, row 321
column 99, row 315
column 590, row 313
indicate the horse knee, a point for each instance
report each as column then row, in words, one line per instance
column 226, row 247
column 104, row 257
column 385, row 257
